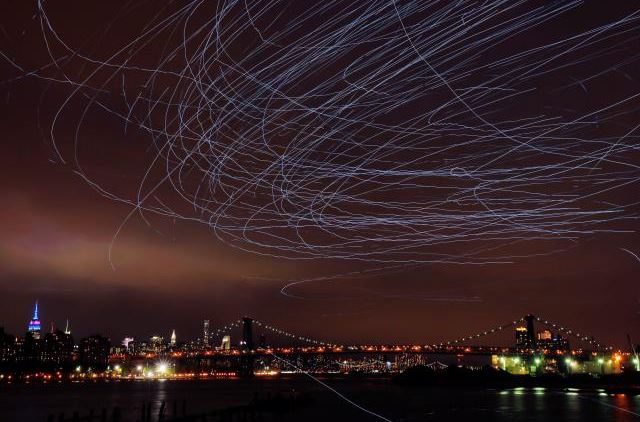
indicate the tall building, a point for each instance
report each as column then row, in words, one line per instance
column 525, row 335
column 7, row 348
column 67, row 329
column 57, row 349
column 172, row 342
column 226, row 343
column 29, row 350
column 521, row 337
column 157, row 344
column 128, row 344
column 94, row 352
column 205, row 333
column 34, row 324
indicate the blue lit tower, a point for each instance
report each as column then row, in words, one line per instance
column 34, row 324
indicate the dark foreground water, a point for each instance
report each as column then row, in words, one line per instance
column 35, row 402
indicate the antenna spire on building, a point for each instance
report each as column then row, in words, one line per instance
column 34, row 324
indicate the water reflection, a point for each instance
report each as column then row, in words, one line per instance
column 35, row 403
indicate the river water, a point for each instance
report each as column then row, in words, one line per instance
column 35, row 402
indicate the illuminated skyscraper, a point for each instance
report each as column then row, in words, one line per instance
column 67, row 329
column 205, row 333
column 521, row 337
column 127, row 342
column 172, row 342
column 525, row 335
column 226, row 343
column 34, row 324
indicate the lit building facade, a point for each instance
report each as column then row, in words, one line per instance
column 547, row 340
column 34, row 325
column 521, row 337
column 205, row 333
column 7, row 348
column 57, row 349
column 226, row 343
column 128, row 344
column 525, row 334
column 94, row 352
column 157, row 344
column 544, row 336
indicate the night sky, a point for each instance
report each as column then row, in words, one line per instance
column 370, row 267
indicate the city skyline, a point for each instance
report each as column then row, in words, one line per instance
column 536, row 347
column 72, row 240
column 526, row 336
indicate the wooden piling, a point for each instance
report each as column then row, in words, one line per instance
column 161, row 411
column 117, row 415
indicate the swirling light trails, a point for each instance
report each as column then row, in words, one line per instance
column 393, row 132
column 633, row 254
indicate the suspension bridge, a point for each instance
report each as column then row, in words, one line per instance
column 528, row 344
column 474, row 343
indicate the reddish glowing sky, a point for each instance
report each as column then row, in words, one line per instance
column 56, row 232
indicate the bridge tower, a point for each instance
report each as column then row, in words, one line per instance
column 531, row 334
column 247, row 333
column 246, row 345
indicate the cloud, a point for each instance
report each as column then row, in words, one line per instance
column 37, row 244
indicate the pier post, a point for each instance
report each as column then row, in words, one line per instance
column 161, row 411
